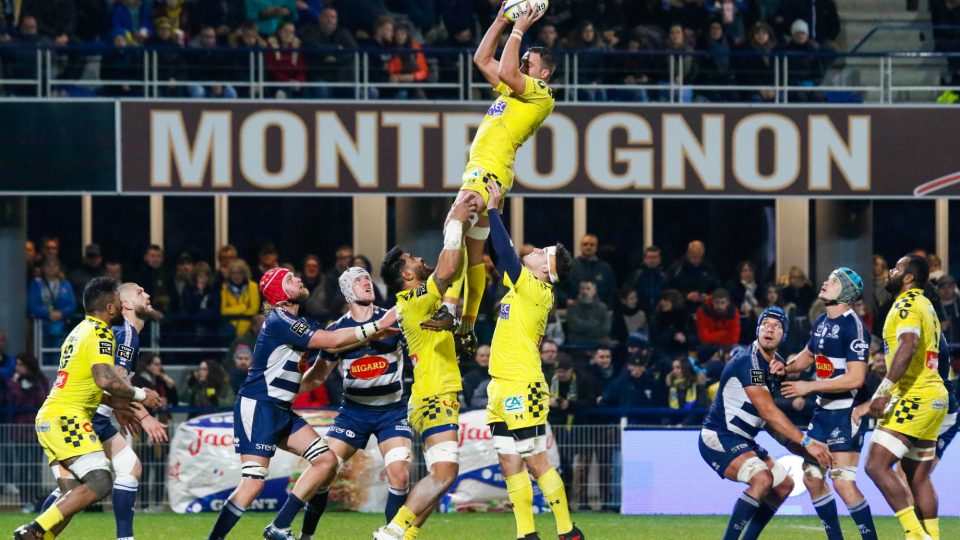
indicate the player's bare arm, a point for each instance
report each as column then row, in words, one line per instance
column 483, row 58
column 449, row 265
column 851, row 380
column 155, row 430
column 342, row 337
column 316, row 375
column 106, row 377
column 780, row 424
column 907, row 346
column 509, row 72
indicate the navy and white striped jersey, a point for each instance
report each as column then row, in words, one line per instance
column 373, row 373
column 280, row 358
column 834, row 343
column 732, row 411
column 128, row 346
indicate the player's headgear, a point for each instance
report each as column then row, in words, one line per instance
column 777, row 313
column 851, row 286
column 271, row 286
column 348, row 278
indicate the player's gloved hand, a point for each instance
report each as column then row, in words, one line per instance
column 465, row 341
column 820, row 452
column 156, row 431
column 441, row 321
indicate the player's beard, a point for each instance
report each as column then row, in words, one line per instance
column 301, row 297
column 894, row 284
column 117, row 318
column 424, row 272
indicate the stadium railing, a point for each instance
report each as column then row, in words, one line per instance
column 170, row 73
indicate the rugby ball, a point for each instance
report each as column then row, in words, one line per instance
column 515, row 8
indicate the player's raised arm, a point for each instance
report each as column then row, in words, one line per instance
column 509, row 72
column 508, row 260
column 342, row 337
column 780, row 424
column 449, row 265
column 483, row 58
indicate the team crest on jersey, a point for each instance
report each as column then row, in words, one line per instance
column 504, row 311
column 370, row 367
column 497, row 108
column 824, row 367
column 756, row 376
column 860, row 347
column 125, row 352
column 834, row 332
column 513, row 404
column 299, row 328
column 821, row 330
column 106, row 347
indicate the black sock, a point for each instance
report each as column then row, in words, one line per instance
column 312, row 512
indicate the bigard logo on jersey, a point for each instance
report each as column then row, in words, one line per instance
column 370, row 367
column 824, row 367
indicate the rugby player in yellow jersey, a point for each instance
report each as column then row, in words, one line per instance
column 433, row 409
column 64, row 423
column 524, row 103
column 910, row 402
column 518, row 399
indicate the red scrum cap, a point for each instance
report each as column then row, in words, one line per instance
column 271, row 286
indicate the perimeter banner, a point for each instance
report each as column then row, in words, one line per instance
column 422, row 149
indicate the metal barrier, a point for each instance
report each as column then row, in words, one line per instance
column 360, row 75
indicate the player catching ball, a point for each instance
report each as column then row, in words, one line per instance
column 524, row 103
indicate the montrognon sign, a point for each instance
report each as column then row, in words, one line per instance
column 422, row 149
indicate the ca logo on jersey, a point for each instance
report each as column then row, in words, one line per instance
column 513, row 404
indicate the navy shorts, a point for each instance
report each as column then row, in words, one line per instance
column 103, row 427
column 720, row 449
column 836, row 429
column 948, row 429
column 258, row 426
column 356, row 423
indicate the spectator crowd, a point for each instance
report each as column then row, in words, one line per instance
column 202, row 46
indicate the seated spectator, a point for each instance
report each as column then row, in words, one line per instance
column 692, row 275
column 20, row 62
column 547, row 36
column 225, row 257
column 601, row 368
column 335, row 301
column 407, row 67
column 715, row 66
column 208, row 387
column 285, row 64
column 548, row 357
column 50, row 299
column 648, row 280
column 554, row 330
column 267, row 258
column 684, row 68
column 124, row 62
column 588, row 320
column 113, row 270
column 155, row 279
column 592, row 64
column 182, row 279
column 270, row 14
column 685, row 391
column 732, row 19
column 379, row 287
column 206, row 63
column 359, row 16
column 27, row 388
column 91, row 266
column 826, row 27
column 326, row 63
column 634, row 387
column 57, row 21
column 133, row 19
column 627, row 316
column 936, row 267
column 224, row 16
column 381, row 40
column 756, row 66
column 169, row 57
column 247, row 39
column 475, row 382
column 631, row 69
column 670, row 329
column 201, row 304
column 315, row 304
column 718, row 320
column 31, row 259
column 239, row 297
column 798, row 291
column 587, row 266
column 242, row 360
column 745, row 295
column 178, row 13
column 247, row 339
column 804, row 67
column 947, row 291
column 150, row 374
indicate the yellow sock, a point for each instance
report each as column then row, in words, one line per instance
column 932, row 526
column 552, row 487
column 412, row 533
column 50, row 518
column 476, row 282
column 910, row 523
column 404, row 518
column 520, row 491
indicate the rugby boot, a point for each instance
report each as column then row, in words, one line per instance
column 441, row 321
column 574, row 534
column 273, row 533
column 30, row 531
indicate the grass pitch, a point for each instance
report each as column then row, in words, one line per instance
column 347, row 526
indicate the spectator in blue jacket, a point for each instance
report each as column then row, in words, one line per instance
column 635, row 387
column 133, row 18
column 50, row 299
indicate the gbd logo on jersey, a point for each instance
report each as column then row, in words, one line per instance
column 370, row 367
column 513, row 404
column 824, row 367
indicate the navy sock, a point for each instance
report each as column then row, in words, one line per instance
column 230, row 514
column 51, row 498
column 760, row 519
column 861, row 515
column 826, row 508
column 743, row 511
column 289, row 511
column 124, row 502
column 395, row 499
column 314, row 509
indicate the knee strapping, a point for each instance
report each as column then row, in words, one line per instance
column 254, row 471
column 531, row 446
column 921, row 453
column 750, row 468
column 87, row 463
column 478, row 233
column 448, row 451
column 60, row 472
column 316, row 449
column 505, row 445
column 99, row 481
column 124, row 463
column 891, row 443
column 844, row 473
column 400, row 453
column 779, row 473
column 812, row 470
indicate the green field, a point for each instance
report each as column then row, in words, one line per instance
column 337, row 526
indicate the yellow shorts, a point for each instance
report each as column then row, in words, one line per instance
column 476, row 179
column 517, row 404
column 917, row 416
column 64, row 437
column 433, row 414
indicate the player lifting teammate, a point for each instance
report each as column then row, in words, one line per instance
column 518, row 398
column 64, row 422
column 910, row 402
column 524, row 103
column 433, row 409
column 838, row 345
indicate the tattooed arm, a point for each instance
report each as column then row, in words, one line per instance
column 105, row 376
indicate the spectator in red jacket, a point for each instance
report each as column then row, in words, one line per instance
column 284, row 62
column 718, row 320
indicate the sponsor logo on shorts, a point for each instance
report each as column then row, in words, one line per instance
column 106, row 347
column 756, row 376
column 267, row 447
column 504, row 311
column 738, row 447
column 370, row 367
column 836, row 437
column 824, row 367
column 497, row 108
column 299, row 328
column 513, row 404
column 42, row 427
column 125, row 352
column 348, row 432
column 402, row 427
